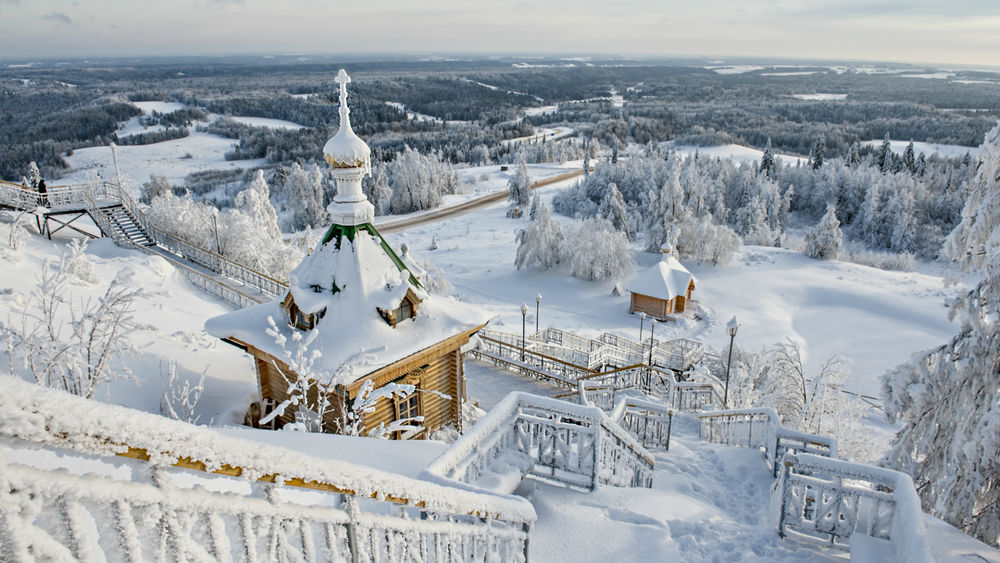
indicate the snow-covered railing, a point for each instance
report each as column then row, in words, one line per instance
column 761, row 428
column 834, row 502
column 505, row 351
column 555, row 441
column 687, row 396
column 648, row 421
column 254, row 502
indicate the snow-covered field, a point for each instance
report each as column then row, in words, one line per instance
column 820, row 97
column 736, row 153
column 269, row 123
column 947, row 151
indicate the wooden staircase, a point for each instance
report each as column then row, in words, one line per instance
column 126, row 226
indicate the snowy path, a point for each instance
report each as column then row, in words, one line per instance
column 708, row 503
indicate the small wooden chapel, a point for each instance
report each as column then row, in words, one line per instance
column 663, row 289
column 364, row 312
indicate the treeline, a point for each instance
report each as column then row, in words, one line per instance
column 886, row 203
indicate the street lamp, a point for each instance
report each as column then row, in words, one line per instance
column 652, row 342
column 215, row 225
column 538, row 303
column 524, row 315
column 642, row 317
column 732, row 326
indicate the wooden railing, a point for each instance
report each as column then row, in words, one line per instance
column 552, row 440
column 834, row 501
column 244, row 507
column 761, row 428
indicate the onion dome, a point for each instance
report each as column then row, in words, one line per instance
column 345, row 149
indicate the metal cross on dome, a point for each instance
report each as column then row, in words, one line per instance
column 342, row 79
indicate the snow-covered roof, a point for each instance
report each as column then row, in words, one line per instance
column 667, row 279
column 353, row 338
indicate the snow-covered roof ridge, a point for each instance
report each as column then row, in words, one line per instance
column 667, row 279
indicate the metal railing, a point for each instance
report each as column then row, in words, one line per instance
column 252, row 503
column 648, row 421
column 761, row 428
column 832, row 501
column 573, row 445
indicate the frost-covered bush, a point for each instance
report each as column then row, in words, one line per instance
column 180, row 398
column 825, row 239
column 156, row 186
column 596, row 251
column 72, row 345
column 79, row 265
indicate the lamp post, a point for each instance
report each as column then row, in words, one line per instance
column 652, row 342
column 215, row 225
column 649, row 372
column 732, row 326
column 642, row 318
column 538, row 303
column 524, row 315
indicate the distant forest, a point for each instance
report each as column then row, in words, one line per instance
column 47, row 111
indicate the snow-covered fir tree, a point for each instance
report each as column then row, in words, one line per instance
column 825, row 240
column 541, row 242
column 519, row 185
column 947, row 398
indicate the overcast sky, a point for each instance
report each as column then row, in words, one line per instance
column 955, row 32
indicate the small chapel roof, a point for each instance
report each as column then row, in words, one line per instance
column 667, row 279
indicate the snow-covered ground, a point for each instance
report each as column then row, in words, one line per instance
column 820, row 97
column 947, row 151
column 736, row 153
column 170, row 313
column 269, row 123
column 874, row 318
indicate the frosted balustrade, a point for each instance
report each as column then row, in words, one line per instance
column 268, row 504
column 573, row 445
column 832, row 501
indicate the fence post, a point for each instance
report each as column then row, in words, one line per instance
column 783, row 487
column 670, row 423
column 351, row 504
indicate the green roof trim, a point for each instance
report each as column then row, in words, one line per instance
column 337, row 233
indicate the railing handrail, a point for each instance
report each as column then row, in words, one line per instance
column 533, row 352
column 49, row 417
column 504, row 414
column 907, row 529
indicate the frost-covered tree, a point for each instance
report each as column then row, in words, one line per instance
column 519, row 185
column 304, row 189
column 612, row 208
column 947, row 398
column 156, row 186
column 255, row 203
column 377, row 190
column 596, row 251
column 541, row 242
column 910, row 158
column 884, row 156
column 818, row 153
column 767, row 160
column 34, row 174
column 825, row 240
column 418, row 181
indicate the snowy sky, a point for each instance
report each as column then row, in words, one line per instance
column 955, row 32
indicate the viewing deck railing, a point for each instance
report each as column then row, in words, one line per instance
column 250, row 503
column 573, row 445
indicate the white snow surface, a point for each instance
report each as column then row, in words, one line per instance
column 667, row 279
column 820, row 96
column 353, row 337
column 947, row 151
column 736, row 153
column 268, row 122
